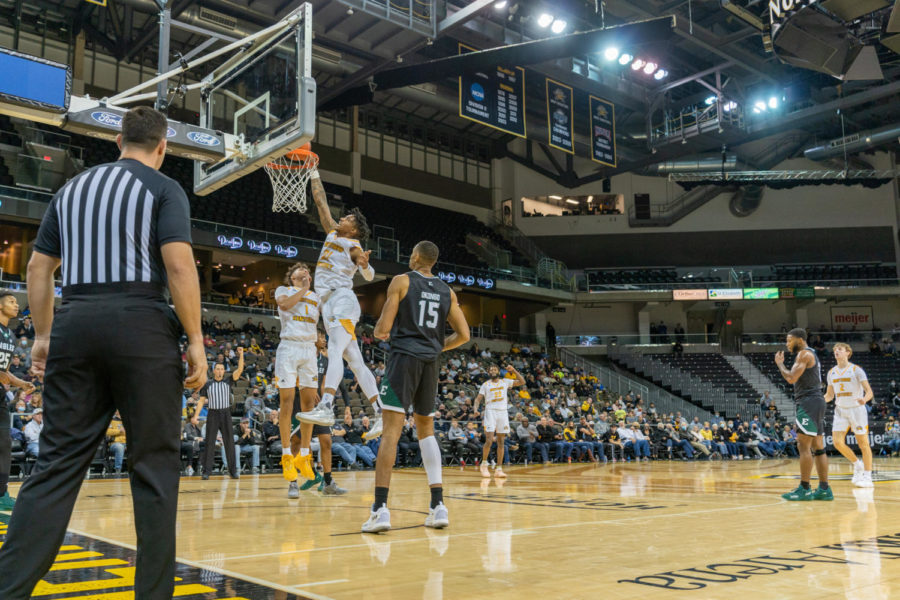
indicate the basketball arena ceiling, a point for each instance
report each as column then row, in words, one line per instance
column 715, row 44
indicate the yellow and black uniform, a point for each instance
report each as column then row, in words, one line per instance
column 115, row 433
column 569, row 435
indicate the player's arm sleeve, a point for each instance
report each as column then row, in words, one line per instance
column 173, row 221
column 48, row 240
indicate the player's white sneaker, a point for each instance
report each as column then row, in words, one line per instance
column 379, row 520
column 375, row 430
column 864, row 480
column 485, row 472
column 332, row 489
column 320, row 415
column 438, row 517
column 293, row 491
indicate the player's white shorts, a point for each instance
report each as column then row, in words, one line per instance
column 340, row 307
column 496, row 420
column 296, row 365
column 856, row 419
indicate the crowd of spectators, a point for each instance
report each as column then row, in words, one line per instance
column 561, row 415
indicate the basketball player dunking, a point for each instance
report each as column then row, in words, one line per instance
column 414, row 315
column 341, row 257
column 295, row 365
column 495, row 393
column 9, row 309
column 806, row 376
column 849, row 387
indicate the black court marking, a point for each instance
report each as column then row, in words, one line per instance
column 559, row 502
column 364, row 533
column 111, row 570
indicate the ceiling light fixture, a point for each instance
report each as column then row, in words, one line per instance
column 649, row 68
column 611, row 53
column 544, row 20
column 660, row 75
column 625, row 59
column 638, row 64
column 558, row 26
column 570, row 201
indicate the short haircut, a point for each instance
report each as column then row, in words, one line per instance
column 428, row 251
column 362, row 225
column 144, row 128
column 798, row 332
column 291, row 269
column 845, row 347
column 4, row 292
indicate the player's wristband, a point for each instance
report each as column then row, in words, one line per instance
column 315, row 174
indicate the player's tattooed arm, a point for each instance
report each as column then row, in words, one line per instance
column 519, row 379
column 321, row 200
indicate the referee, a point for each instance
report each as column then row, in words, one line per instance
column 216, row 395
column 120, row 231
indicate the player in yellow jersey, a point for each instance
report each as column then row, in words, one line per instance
column 296, row 364
column 494, row 392
column 341, row 257
column 849, row 387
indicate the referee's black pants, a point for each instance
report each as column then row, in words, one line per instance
column 219, row 419
column 107, row 352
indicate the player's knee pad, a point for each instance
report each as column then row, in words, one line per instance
column 818, row 452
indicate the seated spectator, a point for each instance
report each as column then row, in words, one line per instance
column 696, row 440
column 892, row 436
column 588, row 441
column 354, row 436
column 789, row 437
column 25, row 329
column 408, row 444
column 615, row 442
column 626, row 434
column 718, row 442
column 32, row 433
column 749, row 442
column 115, row 435
column 272, row 433
column 248, row 441
column 17, row 367
column 457, row 438
column 192, row 440
column 641, row 443
column 546, row 435
column 528, row 436
column 21, row 415
column 339, row 445
column 674, row 441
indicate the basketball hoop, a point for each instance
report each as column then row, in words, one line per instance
column 289, row 174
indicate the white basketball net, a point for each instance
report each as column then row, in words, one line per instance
column 289, row 175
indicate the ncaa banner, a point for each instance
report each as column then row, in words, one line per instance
column 848, row 317
column 495, row 98
column 560, row 128
column 603, row 131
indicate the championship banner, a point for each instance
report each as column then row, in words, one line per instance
column 495, row 98
column 603, row 131
column 848, row 317
column 560, row 112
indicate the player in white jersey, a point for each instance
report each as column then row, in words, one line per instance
column 341, row 257
column 849, row 387
column 495, row 393
column 296, row 365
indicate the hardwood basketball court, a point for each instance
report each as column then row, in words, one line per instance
column 661, row 530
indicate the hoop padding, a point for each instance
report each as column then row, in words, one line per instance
column 289, row 175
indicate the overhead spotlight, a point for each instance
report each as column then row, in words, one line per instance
column 500, row 4
column 661, row 74
column 625, row 59
column 649, row 68
column 710, row 101
column 729, row 106
column 558, row 26
column 759, row 107
column 544, row 20
column 773, row 102
column 638, row 64
column 611, row 53
column 350, row 11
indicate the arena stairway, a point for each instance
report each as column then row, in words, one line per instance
column 761, row 383
column 705, row 380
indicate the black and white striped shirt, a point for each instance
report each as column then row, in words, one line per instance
column 218, row 393
column 109, row 223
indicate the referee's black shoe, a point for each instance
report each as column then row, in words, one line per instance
column 205, row 476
